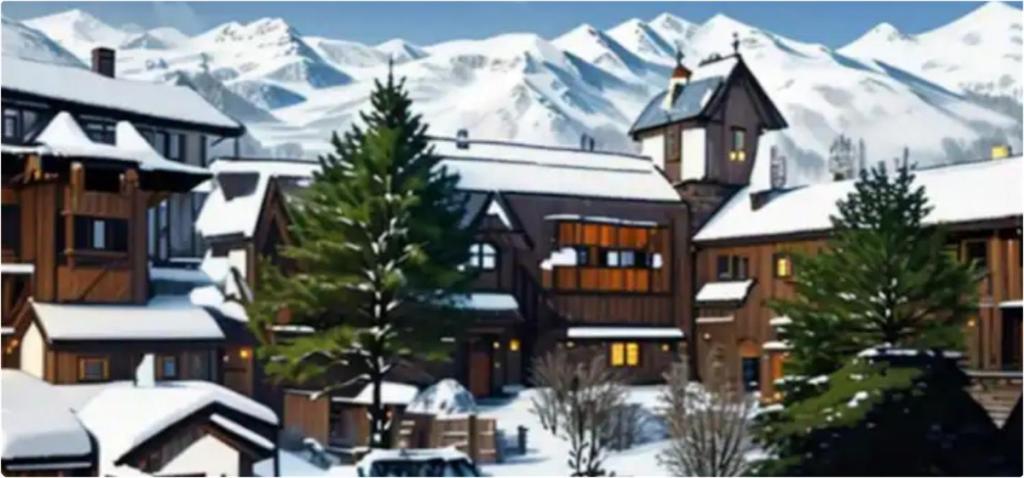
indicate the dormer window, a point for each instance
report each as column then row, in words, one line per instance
column 100, row 131
column 738, row 152
column 483, row 256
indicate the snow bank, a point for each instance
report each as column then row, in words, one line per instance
column 446, row 398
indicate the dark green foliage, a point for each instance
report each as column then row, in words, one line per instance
column 902, row 414
column 883, row 278
column 376, row 257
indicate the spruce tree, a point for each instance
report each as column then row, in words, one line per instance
column 883, row 278
column 886, row 279
column 375, row 264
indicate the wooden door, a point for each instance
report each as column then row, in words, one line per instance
column 479, row 372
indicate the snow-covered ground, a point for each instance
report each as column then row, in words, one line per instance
column 546, row 454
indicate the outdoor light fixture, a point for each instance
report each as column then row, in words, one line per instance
column 244, row 353
column 513, row 345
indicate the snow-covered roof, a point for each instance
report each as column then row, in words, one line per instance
column 446, row 398
column 780, row 321
column 775, row 345
column 405, row 454
column 223, row 216
column 691, row 101
column 163, row 318
column 9, row 268
column 976, row 191
column 724, row 291
column 121, row 415
column 180, row 274
column 82, row 86
column 715, row 320
column 391, row 393
column 1012, row 304
column 63, row 137
column 37, row 422
column 488, row 301
column 600, row 219
column 602, row 332
column 488, row 166
column 240, row 430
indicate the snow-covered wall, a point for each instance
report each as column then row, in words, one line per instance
column 694, row 146
column 654, row 148
column 206, row 457
column 32, row 352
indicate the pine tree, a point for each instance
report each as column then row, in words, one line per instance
column 884, row 277
column 376, row 260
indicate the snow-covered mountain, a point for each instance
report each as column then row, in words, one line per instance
column 24, row 42
column 978, row 53
column 891, row 89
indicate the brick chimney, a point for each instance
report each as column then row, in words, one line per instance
column 103, row 61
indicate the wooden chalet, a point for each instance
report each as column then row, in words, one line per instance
column 744, row 258
column 179, row 124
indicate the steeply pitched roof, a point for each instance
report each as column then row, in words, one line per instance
column 699, row 95
column 225, row 215
column 64, row 138
column 983, row 190
column 134, row 98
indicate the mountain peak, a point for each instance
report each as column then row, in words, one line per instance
column 671, row 22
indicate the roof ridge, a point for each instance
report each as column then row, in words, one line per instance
column 494, row 142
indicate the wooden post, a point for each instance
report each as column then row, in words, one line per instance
column 474, row 440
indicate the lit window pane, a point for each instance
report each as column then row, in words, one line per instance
column 632, row 354
column 612, row 258
column 618, row 354
column 628, row 258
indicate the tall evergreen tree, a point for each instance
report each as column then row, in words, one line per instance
column 884, row 277
column 376, row 260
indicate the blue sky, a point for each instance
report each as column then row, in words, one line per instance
column 833, row 24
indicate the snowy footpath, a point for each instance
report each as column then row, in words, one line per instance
column 546, row 454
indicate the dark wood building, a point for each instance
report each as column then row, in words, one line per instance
column 744, row 258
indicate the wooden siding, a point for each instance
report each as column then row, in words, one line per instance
column 196, row 361
column 983, row 336
column 310, row 418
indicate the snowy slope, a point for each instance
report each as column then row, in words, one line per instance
column 587, row 81
column 78, row 31
column 24, row 42
column 979, row 53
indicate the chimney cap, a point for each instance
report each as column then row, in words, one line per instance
column 104, row 61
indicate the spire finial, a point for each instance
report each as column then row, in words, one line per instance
column 735, row 42
column 679, row 56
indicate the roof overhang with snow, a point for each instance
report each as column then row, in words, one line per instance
column 605, row 332
column 125, row 417
column 86, row 92
column 8, row 268
column 63, row 139
column 162, row 319
column 992, row 186
column 39, row 426
column 724, row 291
column 506, row 167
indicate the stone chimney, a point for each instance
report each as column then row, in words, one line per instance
column 680, row 77
column 103, row 60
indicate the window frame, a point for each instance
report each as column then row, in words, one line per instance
column 162, row 362
column 479, row 253
column 12, row 227
column 788, row 260
column 112, row 231
column 83, row 364
column 625, row 354
column 100, row 130
column 738, row 152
